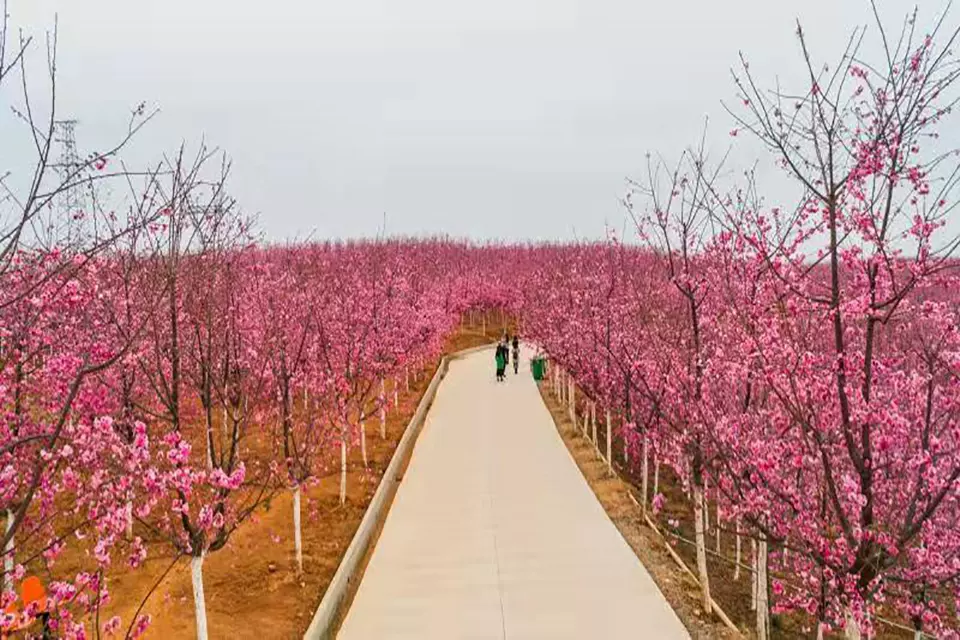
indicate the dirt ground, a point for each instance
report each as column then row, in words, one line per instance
column 250, row 585
column 678, row 587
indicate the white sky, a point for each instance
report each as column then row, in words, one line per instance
column 497, row 119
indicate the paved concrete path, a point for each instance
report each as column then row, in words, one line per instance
column 494, row 533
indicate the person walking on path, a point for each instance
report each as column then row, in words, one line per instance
column 516, row 355
column 501, row 359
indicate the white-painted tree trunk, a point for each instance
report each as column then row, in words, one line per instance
column 609, row 442
column 234, row 432
column 918, row 635
column 763, row 613
column 852, row 628
column 199, row 603
column 718, row 522
column 297, row 540
column 223, row 424
column 208, row 438
column 706, row 506
column 643, row 485
column 819, row 630
column 626, row 450
column 383, row 409
column 573, row 403
column 753, row 574
column 585, row 426
column 736, row 566
column 343, row 469
column 698, row 516
column 8, row 559
column 593, row 423
column 363, row 442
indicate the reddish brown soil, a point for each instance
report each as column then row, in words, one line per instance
column 680, row 589
column 251, row 586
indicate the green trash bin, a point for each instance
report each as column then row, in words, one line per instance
column 538, row 366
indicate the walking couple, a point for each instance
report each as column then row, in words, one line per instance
column 503, row 356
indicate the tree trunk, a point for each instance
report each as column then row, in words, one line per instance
column 343, row 470
column 209, row 439
column 8, row 559
column 223, row 425
column 406, row 378
column 706, row 506
column 763, row 614
column 573, row 403
column 656, row 475
column 852, row 629
column 297, row 541
column 643, row 485
column 363, row 442
column 593, row 423
column 718, row 522
column 701, row 548
column 129, row 507
column 383, row 409
column 396, row 394
column 609, row 442
column 736, row 567
column 753, row 574
column 199, row 604
column 626, row 451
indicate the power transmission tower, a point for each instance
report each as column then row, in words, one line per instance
column 70, row 200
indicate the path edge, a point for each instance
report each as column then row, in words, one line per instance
column 330, row 612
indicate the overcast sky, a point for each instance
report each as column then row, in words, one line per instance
column 496, row 119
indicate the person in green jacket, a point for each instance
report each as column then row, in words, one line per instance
column 501, row 358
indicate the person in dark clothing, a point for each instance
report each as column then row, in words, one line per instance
column 501, row 359
column 516, row 355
